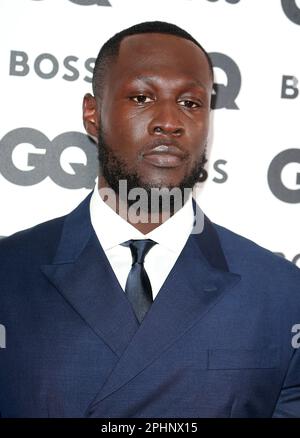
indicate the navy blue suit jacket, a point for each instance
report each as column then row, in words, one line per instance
column 216, row 342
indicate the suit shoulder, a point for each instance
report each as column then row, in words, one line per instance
column 245, row 253
column 37, row 240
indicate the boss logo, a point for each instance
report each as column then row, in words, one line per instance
column 47, row 66
column 222, row 174
column 44, row 157
column 285, row 158
column 289, row 87
column 291, row 10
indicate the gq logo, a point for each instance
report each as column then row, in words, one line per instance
column 48, row 159
column 295, row 259
column 291, row 10
column 90, row 2
column 225, row 95
column 277, row 186
column 232, row 2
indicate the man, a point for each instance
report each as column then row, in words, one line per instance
column 109, row 315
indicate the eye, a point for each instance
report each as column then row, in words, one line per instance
column 189, row 103
column 141, row 98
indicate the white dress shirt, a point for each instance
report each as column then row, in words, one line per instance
column 112, row 230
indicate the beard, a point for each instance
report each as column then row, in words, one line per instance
column 114, row 169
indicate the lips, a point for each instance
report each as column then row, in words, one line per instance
column 165, row 155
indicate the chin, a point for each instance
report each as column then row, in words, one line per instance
column 168, row 185
column 163, row 181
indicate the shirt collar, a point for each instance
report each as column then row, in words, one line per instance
column 112, row 229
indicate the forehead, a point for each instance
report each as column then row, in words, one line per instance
column 163, row 55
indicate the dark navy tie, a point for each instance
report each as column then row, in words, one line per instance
column 138, row 287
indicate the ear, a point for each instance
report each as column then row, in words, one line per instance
column 90, row 116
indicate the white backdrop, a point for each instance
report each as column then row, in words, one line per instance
column 47, row 50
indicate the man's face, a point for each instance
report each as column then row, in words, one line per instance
column 153, row 116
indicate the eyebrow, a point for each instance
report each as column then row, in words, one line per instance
column 151, row 79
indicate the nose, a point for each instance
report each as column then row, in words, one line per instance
column 166, row 120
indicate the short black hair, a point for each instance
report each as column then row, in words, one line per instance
column 110, row 49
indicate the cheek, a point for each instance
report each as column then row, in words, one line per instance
column 197, row 141
column 138, row 127
column 128, row 129
column 201, row 125
column 197, row 134
column 133, row 132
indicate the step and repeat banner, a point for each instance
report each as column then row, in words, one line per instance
column 48, row 164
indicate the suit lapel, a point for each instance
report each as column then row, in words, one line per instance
column 199, row 279
column 82, row 274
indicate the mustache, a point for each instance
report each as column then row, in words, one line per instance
column 161, row 145
column 156, row 145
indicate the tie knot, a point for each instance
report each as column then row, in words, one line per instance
column 139, row 249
